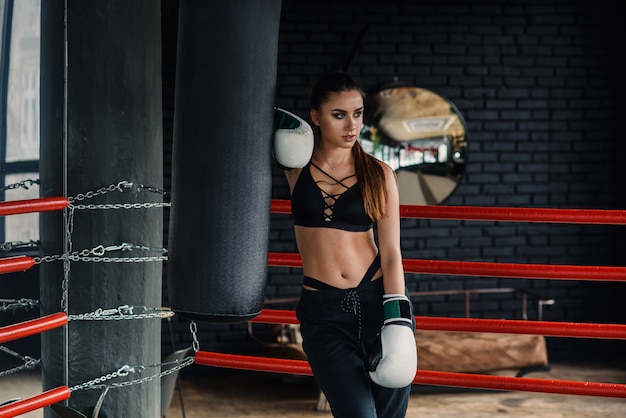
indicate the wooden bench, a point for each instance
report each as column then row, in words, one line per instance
column 482, row 352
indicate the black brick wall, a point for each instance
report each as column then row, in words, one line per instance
column 540, row 87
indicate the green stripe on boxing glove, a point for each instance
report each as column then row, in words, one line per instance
column 293, row 140
column 392, row 361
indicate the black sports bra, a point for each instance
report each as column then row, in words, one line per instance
column 313, row 207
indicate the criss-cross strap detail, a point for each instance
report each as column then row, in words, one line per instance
column 330, row 198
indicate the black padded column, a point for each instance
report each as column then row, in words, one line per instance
column 112, row 108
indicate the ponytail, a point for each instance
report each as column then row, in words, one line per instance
column 371, row 178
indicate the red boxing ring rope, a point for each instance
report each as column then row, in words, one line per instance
column 486, row 269
column 525, row 384
column 427, row 377
column 19, row 263
column 553, row 329
column 504, row 214
column 44, row 204
column 263, row 364
column 39, row 401
column 511, row 326
column 510, row 270
column 32, row 327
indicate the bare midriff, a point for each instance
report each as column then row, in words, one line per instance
column 336, row 257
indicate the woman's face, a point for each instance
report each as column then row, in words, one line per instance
column 340, row 118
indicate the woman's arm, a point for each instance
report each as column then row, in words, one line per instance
column 389, row 238
column 392, row 361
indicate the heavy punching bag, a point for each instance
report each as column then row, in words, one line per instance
column 221, row 159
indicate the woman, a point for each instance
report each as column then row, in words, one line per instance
column 336, row 199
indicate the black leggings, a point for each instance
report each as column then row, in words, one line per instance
column 338, row 327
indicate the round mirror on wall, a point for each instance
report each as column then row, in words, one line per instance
column 422, row 136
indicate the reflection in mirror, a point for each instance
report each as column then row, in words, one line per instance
column 422, row 136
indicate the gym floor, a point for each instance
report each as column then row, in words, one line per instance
column 212, row 392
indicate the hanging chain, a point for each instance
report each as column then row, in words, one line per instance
column 14, row 304
column 154, row 190
column 96, row 254
column 120, row 259
column 103, row 190
column 123, row 312
column 29, row 362
column 65, row 285
column 193, row 327
column 13, row 245
column 121, row 372
column 126, row 370
column 22, row 184
column 120, row 186
column 124, row 206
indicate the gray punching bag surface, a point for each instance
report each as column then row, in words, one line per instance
column 221, row 162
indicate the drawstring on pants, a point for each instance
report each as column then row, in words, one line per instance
column 352, row 304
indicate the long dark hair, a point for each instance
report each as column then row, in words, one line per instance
column 369, row 171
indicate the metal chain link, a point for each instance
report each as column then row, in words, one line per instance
column 118, row 186
column 21, row 184
column 14, row 304
column 122, row 313
column 121, row 372
column 121, row 186
column 29, row 365
column 123, row 206
column 29, row 362
column 103, row 190
column 154, row 190
column 119, row 259
column 12, row 245
column 100, row 250
column 193, row 327
column 68, row 256
column 125, row 370
column 65, row 285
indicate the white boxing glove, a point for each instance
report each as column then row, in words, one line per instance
column 393, row 358
column 293, row 140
